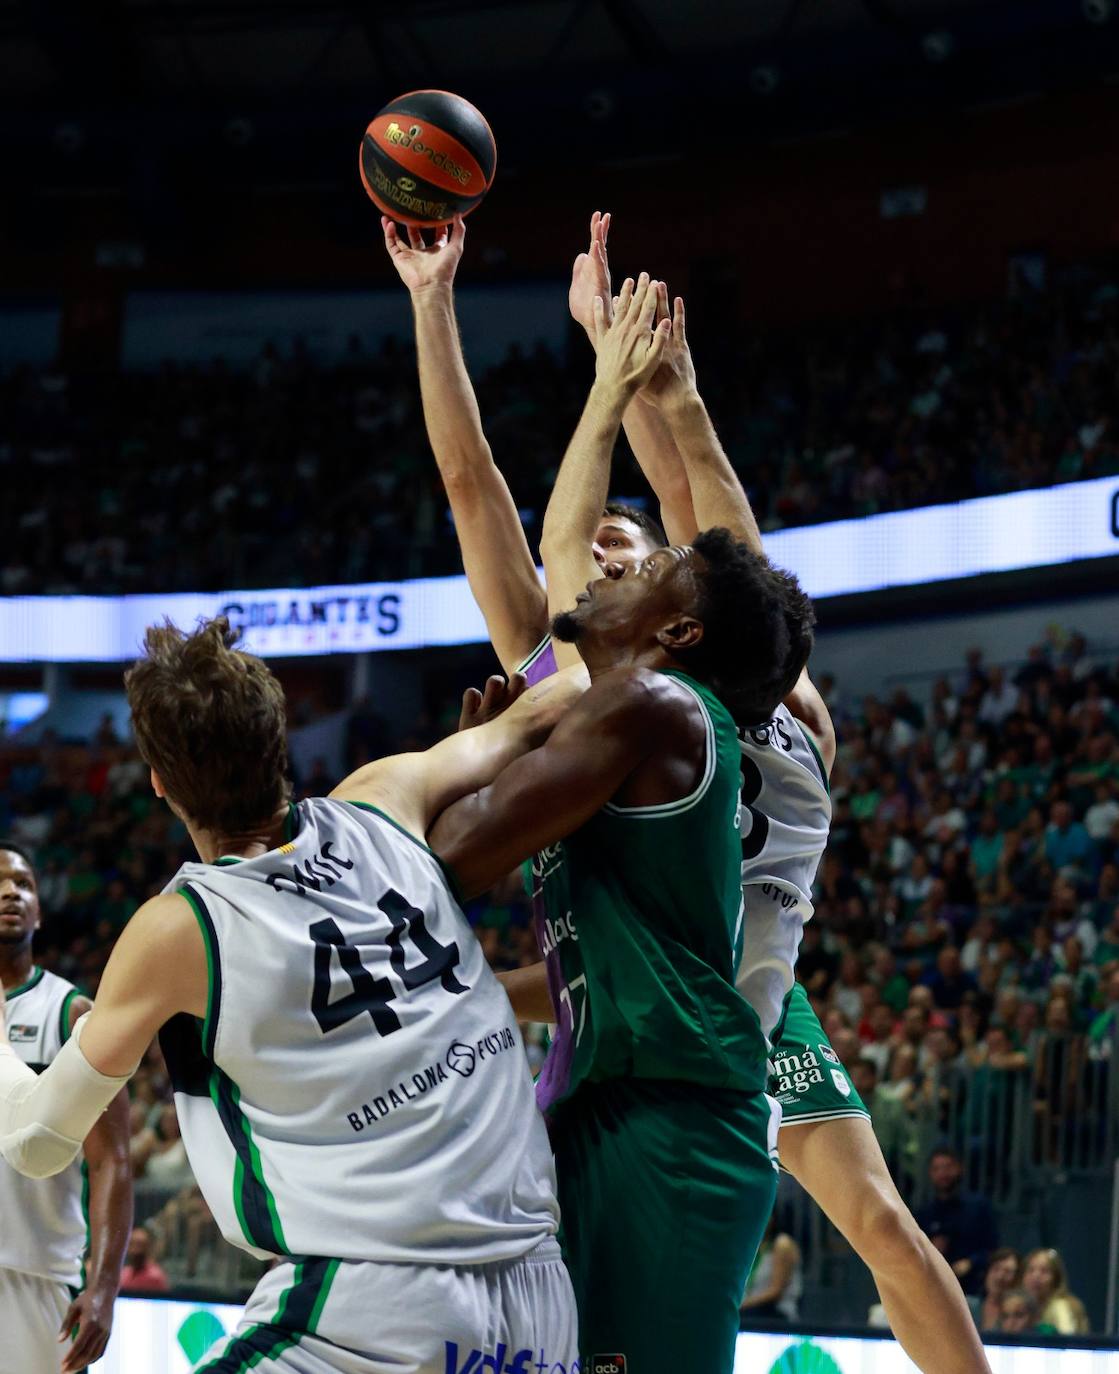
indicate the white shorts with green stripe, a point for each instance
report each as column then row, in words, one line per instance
column 319, row 1316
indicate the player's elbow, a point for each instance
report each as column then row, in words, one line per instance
column 38, row 1152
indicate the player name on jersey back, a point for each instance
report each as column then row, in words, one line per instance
column 358, row 1088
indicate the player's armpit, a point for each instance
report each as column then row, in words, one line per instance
column 809, row 707
column 546, row 795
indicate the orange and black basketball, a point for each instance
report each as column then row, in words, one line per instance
column 427, row 156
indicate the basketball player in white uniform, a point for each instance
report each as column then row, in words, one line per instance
column 48, row 1286
column 352, row 1087
column 826, row 1140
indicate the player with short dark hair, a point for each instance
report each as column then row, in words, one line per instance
column 60, row 1256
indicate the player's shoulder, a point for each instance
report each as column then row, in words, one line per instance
column 162, row 922
column 641, row 698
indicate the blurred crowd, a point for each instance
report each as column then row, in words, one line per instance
column 964, row 957
column 295, row 474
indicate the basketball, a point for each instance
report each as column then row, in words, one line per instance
column 427, row 156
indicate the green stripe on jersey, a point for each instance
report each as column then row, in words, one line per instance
column 297, row 1314
column 32, row 982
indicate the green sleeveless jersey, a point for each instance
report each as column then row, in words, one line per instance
column 639, row 915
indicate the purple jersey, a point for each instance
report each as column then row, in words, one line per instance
column 552, row 1082
column 541, row 663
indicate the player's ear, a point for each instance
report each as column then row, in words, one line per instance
column 684, row 632
column 157, row 785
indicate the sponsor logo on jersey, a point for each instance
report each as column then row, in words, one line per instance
column 544, row 863
column 22, row 1034
column 608, row 1364
column 554, row 930
column 796, row 1073
column 788, row 900
column 502, row 1360
column 826, row 1052
column 460, row 1057
column 841, row 1083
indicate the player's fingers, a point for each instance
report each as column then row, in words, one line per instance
column 70, row 1320
column 458, row 231
column 491, row 697
column 518, row 685
column 640, row 293
column 625, row 295
column 599, row 319
column 649, row 303
column 471, row 701
column 415, row 237
column 604, row 229
column 678, row 321
column 89, row 1347
column 662, row 301
column 656, row 350
column 392, row 240
column 594, row 227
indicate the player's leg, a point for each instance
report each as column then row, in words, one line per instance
column 839, row 1163
column 31, row 1313
column 665, row 1189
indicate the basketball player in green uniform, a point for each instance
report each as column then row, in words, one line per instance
column 663, row 1132
column 827, row 1141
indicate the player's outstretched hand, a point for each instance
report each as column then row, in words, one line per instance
column 480, row 707
column 590, row 276
column 674, row 379
column 91, row 1313
column 629, row 349
column 423, row 265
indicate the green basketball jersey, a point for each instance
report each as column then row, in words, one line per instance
column 639, row 915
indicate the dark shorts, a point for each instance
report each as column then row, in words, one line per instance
column 665, row 1189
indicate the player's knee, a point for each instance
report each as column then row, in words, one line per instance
column 888, row 1239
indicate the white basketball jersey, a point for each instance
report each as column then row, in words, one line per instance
column 785, row 819
column 359, row 1088
column 42, row 1221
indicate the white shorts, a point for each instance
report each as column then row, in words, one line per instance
column 31, row 1312
column 328, row 1317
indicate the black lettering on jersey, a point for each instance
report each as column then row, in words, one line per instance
column 439, row 961
column 322, row 868
column 773, row 732
column 753, row 840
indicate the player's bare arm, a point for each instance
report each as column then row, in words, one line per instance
column 717, row 493
column 495, row 553
column 109, row 1167
column 157, row 968
column 649, row 436
column 414, row 788
column 628, row 352
column 604, row 746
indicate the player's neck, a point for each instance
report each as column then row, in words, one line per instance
column 16, row 964
column 606, row 657
column 242, row 844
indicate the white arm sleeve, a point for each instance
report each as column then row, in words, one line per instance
column 45, row 1118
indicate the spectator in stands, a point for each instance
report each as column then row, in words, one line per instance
column 776, row 1281
column 1068, row 846
column 960, row 1224
column 1004, row 1271
column 1019, row 1315
column 1043, row 1277
column 141, row 1273
column 158, row 1152
column 949, row 982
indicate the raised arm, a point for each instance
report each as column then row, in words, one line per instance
column 628, row 352
column 550, row 792
column 495, row 552
column 718, row 496
column 414, row 788
column 648, row 434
